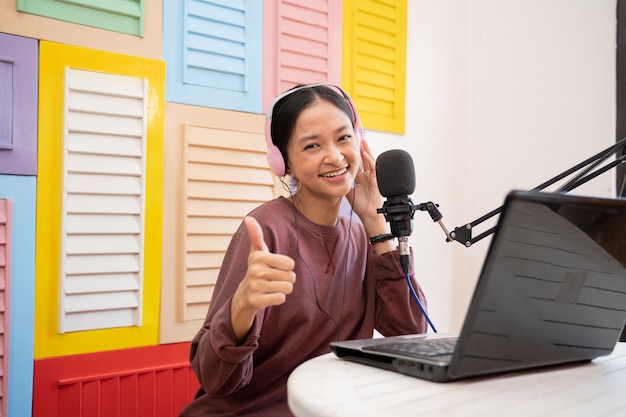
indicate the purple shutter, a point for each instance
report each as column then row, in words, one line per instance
column 18, row 105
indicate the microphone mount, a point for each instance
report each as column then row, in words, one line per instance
column 399, row 212
column 584, row 172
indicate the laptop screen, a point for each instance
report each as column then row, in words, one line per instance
column 553, row 285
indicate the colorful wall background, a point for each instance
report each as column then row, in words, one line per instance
column 131, row 146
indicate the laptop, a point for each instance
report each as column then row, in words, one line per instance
column 552, row 290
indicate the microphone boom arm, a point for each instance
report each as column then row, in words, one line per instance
column 463, row 234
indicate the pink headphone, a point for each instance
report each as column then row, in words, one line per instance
column 274, row 156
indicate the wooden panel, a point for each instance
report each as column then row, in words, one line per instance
column 148, row 45
column 18, row 105
column 18, row 378
column 219, row 63
column 124, row 16
column 154, row 381
column 216, row 173
column 303, row 44
column 99, row 195
column 374, row 67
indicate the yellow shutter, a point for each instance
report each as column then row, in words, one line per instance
column 374, row 61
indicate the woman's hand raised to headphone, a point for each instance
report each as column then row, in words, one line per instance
column 366, row 199
column 364, row 196
column 268, row 281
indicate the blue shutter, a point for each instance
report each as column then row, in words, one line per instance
column 213, row 51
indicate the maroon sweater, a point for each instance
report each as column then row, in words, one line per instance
column 342, row 291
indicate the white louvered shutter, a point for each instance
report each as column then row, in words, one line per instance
column 103, row 201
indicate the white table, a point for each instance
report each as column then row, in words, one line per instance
column 331, row 387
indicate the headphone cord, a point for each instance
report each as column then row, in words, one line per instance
column 317, row 302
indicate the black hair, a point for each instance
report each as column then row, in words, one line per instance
column 287, row 110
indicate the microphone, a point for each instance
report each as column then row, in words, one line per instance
column 395, row 174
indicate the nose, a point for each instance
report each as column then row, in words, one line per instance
column 334, row 155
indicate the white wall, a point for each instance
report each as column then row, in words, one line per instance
column 501, row 94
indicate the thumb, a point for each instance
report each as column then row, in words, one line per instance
column 256, row 235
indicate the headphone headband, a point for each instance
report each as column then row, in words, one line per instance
column 274, row 156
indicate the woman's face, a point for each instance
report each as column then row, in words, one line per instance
column 323, row 152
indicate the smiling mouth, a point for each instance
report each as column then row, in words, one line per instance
column 335, row 174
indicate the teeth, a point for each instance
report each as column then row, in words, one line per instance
column 335, row 174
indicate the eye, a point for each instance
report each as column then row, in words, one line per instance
column 310, row 146
column 345, row 137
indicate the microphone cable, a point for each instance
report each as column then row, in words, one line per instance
column 419, row 303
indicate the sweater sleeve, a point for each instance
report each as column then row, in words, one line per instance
column 221, row 365
column 397, row 312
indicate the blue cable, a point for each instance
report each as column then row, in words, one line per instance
column 419, row 304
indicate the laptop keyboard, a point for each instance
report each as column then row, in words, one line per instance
column 421, row 347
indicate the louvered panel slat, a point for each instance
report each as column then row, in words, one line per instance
column 104, row 144
column 219, row 37
column 94, row 302
column 107, row 244
column 219, row 65
column 204, row 261
column 225, row 180
column 86, row 320
column 102, row 104
column 234, row 139
column 305, row 64
column 202, row 244
column 235, row 192
column 104, row 164
column 200, row 295
column 198, row 311
column 101, row 264
column 220, row 207
column 235, row 174
column 104, row 167
column 82, row 122
column 227, row 156
column 105, row 84
column 103, row 184
column 102, row 224
column 85, row 284
column 211, row 262
column 204, row 225
column 80, row 203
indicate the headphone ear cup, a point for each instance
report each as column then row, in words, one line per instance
column 274, row 156
column 358, row 131
column 275, row 160
column 358, row 127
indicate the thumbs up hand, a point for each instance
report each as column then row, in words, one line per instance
column 268, row 281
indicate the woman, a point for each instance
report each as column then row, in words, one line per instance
column 296, row 274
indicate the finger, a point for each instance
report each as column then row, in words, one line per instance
column 367, row 158
column 256, row 235
column 271, row 266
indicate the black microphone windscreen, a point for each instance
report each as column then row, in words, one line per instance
column 395, row 173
